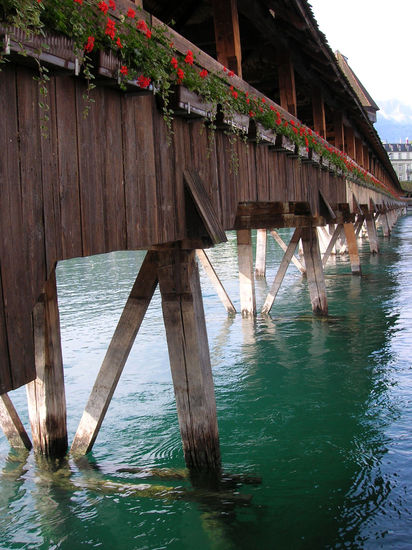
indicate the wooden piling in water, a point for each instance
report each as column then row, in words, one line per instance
column 189, row 357
column 352, row 248
column 246, row 276
column 314, row 271
column 261, row 241
column 46, row 394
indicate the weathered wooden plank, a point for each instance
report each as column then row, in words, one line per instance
column 227, row 36
column 46, row 395
column 314, row 271
column 214, row 279
column 5, row 372
column 183, row 160
column 189, row 358
column 142, row 220
column 280, row 275
column 246, row 278
column 334, row 237
column 68, row 176
column 372, row 235
column 11, row 424
column 204, row 207
column 13, row 259
column 116, row 356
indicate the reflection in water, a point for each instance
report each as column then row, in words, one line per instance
column 319, row 409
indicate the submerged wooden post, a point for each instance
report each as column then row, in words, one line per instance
column 46, row 395
column 314, row 270
column 211, row 273
column 11, row 424
column 261, row 240
column 372, row 235
column 189, row 357
column 116, row 356
column 289, row 253
column 352, row 248
column 246, row 278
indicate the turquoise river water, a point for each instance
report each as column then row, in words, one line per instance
column 319, row 410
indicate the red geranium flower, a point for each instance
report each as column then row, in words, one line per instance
column 189, row 57
column 143, row 81
column 110, row 28
column 141, row 25
column 124, row 70
column 118, row 43
column 148, row 33
column 173, row 62
column 103, row 7
column 180, row 75
column 90, row 44
column 131, row 13
column 112, row 5
column 230, row 73
column 203, row 73
column 79, row 2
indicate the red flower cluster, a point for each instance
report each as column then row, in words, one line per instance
column 124, row 70
column 110, row 28
column 142, row 26
column 131, row 13
column 112, row 5
column 78, row 1
column 203, row 73
column 189, row 57
column 180, row 76
column 173, row 62
column 230, row 73
column 103, row 7
column 89, row 45
column 119, row 43
column 143, row 81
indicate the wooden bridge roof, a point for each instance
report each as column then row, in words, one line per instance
column 268, row 28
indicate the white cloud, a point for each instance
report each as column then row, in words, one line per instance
column 396, row 111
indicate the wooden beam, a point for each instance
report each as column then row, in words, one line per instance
column 261, row 241
column 339, row 131
column 116, row 355
column 350, row 147
column 227, row 36
column 283, row 246
column 287, row 87
column 211, row 273
column 359, row 152
column 336, row 234
column 46, row 395
column 246, row 277
column 318, row 108
column 314, row 271
column 189, row 357
column 280, row 275
column 372, row 234
column 352, row 248
column 11, row 424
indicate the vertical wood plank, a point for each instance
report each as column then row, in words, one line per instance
column 227, row 36
column 372, row 234
column 46, row 395
column 189, row 358
column 352, row 248
column 116, row 356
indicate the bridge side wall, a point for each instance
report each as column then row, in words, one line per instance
column 111, row 181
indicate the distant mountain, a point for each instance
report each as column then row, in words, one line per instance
column 394, row 122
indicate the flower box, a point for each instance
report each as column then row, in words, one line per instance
column 285, row 145
column 259, row 134
column 189, row 104
column 231, row 121
column 324, row 163
column 304, row 153
column 108, row 67
column 315, row 157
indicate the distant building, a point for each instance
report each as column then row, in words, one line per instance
column 400, row 155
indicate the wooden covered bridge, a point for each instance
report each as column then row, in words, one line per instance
column 170, row 173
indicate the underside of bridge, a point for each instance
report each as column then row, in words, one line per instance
column 121, row 179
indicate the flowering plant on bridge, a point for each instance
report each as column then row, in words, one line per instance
column 147, row 58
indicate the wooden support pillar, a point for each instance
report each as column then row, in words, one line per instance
column 385, row 224
column 46, row 395
column 287, row 88
column 323, row 239
column 372, row 234
column 211, row 273
column 350, row 142
column 116, row 355
column 261, row 240
column 314, row 270
column 227, row 36
column 246, row 278
column 318, row 108
column 189, row 357
column 352, row 248
column 280, row 275
column 283, row 246
column 339, row 131
column 11, row 424
column 336, row 234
